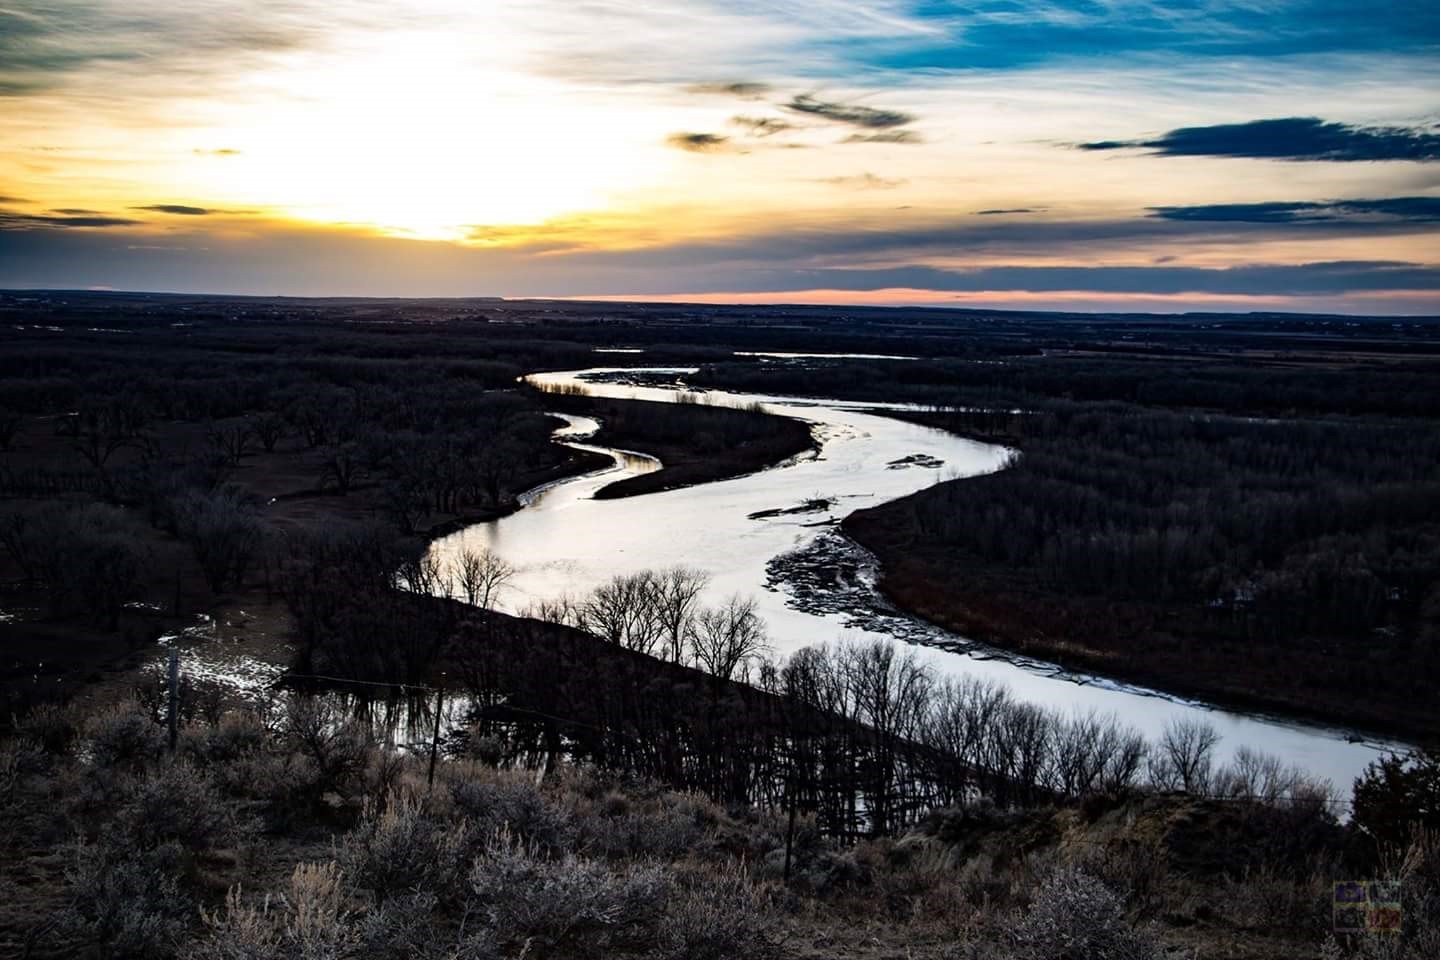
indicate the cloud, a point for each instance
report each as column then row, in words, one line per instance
column 43, row 44
column 179, row 209
column 1000, row 211
column 1014, row 34
column 888, row 136
column 699, row 142
column 1319, row 278
column 864, row 181
column 74, row 211
column 1290, row 138
column 324, row 262
column 853, row 114
column 762, row 126
column 221, row 152
column 745, row 90
column 24, row 221
column 5, row 199
column 1368, row 212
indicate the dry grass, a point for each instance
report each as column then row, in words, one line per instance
column 305, row 838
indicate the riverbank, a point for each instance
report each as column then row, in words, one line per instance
column 694, row 443
column 1207, row 651
column 49, row 658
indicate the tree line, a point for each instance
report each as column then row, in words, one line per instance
column 643, row 675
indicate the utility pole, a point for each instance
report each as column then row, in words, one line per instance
column 435, row 741
column 174, row 692
column 790, row 802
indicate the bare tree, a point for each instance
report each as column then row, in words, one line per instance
column 422, row 574
column 725, row 637
column 1094, row 754
column 678, row 592
column 625, row 611
column 564, row 610
column 269, row 429
column 1126, row 753
column 225, row 532
column 962, row 713
column 1262, row 776
column 10, row 423
column 342, row 467
column 99, row 430
column 231, row 442
column 481, row 575
column 1185, row 755
column 892, row 690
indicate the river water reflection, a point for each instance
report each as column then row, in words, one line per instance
column 565, row 542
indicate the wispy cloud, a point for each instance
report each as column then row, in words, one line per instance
column 745, row 89
column 864, row 181
column 887, row 136
column 1290, row 138
column 762, row 126
column 42, row 44
column 853, row 114
column 1359, row 212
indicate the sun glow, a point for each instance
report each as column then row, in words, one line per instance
column 422, row 137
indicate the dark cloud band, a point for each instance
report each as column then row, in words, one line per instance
column 179, row 209
column 1290, row 138
column 26, row 221
column 1366, row 212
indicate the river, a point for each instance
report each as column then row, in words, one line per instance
column 821, row 587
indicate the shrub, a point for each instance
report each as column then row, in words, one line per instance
column 126, row 906
column 286, row 782
column 49, row 727
column 124, row 738
column 178, row 804
column 716, row 915
column 666, row 826
column 10, row 764
column 339, row 747
column 569, row 901
column 308, row 921
column 404, row 848
column 515, row 806
column 1076, row 916
column 403, row 928
column 237, row 734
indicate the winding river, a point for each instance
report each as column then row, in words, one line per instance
column 812, row 585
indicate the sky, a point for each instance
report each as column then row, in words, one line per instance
column 1146, row 155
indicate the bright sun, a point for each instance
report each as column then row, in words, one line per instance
column 423, row 139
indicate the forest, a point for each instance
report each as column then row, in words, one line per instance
column 633, row 772
column 1203, row 527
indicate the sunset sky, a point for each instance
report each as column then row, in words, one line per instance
column 1113, row 154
